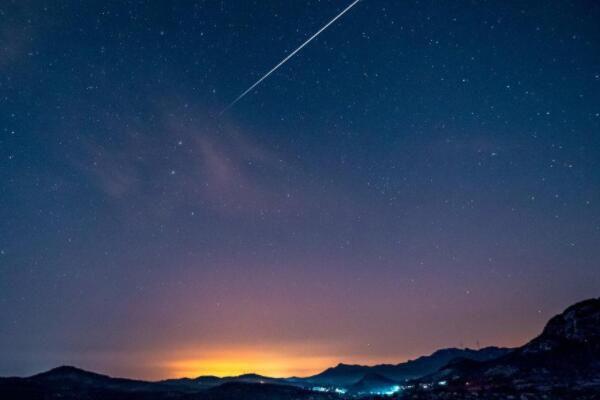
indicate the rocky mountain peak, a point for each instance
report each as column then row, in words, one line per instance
column 577, row 325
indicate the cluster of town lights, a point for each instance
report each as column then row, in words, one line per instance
column 388, row 391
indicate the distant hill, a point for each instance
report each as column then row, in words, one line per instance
column 73, row 378
column 205, row 382
column 69, row 383
column 346, row 375
column 373, row 383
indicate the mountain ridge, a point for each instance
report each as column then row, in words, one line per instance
column 562, row 362
column 345, row 374
column 564, row 357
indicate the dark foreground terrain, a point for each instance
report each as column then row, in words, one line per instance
column 563, row 362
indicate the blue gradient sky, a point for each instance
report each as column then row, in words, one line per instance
column 422, row 175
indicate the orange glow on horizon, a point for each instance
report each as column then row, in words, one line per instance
column 244, row 362
column 280, row 360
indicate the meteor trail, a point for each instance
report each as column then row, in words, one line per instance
column 265, row 76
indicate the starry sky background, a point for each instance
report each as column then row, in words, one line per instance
column 424, row 174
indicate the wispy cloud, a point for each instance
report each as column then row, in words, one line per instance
column 209, row 165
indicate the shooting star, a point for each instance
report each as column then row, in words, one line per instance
column 265, row 76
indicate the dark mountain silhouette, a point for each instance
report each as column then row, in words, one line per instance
column 373, row 383
column 72, row 377
column 345, row 375
column 562, row 361
column 71, row 383
column 212, row 381
column 342, row 375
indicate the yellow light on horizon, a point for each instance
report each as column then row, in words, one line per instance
column 233, row 363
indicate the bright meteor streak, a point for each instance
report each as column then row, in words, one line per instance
column 265, row 76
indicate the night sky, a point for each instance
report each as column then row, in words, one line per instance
column 424, row 174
